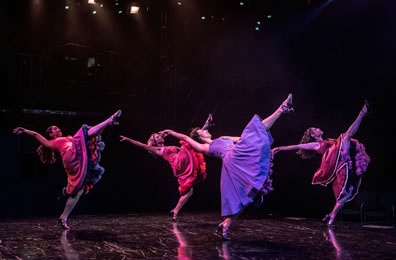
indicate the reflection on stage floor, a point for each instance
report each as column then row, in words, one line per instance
column 154, row 236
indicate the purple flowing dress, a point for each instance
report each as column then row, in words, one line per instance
column 246, row 166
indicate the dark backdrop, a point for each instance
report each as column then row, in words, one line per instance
column 171, row 65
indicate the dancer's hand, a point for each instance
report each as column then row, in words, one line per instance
column 18, row 130
column 165, row 133
column 123, row 138
column 275, row 150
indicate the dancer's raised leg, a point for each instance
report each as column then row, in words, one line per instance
column 354, row 127
column 285, row 107
column 98, row 129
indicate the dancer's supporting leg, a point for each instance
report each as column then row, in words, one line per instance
column 285, row 107
column 339, row 204
column 224, row 226
column 346, row 144
column 98, row 129
column 70, row 204
column 183, row 199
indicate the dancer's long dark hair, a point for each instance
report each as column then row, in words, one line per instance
column 194, row 135
column 307, row 138
column 46, row 155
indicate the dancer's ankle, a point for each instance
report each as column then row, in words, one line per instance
column 113, row 119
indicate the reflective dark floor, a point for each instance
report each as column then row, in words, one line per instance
column 150, row 236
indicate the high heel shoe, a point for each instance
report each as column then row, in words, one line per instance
column 115, row 117
column 329, row 219
column 173, row 216
column 63, row 223
column 286, row 106
column 209, row 123
column 222, row 232
column 367, row 104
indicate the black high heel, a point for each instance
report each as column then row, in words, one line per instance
column 221, row 232
column 287, row 105
column 63, row 223
column 115, row 117
column 173, row 216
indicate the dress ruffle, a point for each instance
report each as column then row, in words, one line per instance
column 343, row 170
column 188, row 166
column 81, row 161
column 198, row 173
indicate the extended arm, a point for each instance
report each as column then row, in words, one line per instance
column 308, row 146
column 202, row 148
column 355, row 125
column 157, row 150
column 233, row 138
column 39, row 137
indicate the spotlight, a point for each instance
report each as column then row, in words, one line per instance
column 257, row 28
column 134, row 9
column 258, row 22
column 93, row 12
column 179, row 3
column 101, row 5
column 203, row 18
column 241, row 3
column 91, row 2
column 120, row 12
column 269, row 16
column 67, row 7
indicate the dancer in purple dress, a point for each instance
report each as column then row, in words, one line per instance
column 80, row 154
column 246, row 163
column 344, row 160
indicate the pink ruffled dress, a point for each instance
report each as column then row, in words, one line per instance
column 80, row 156
column 343, row 170
column 188, row 166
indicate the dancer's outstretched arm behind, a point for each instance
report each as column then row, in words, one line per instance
column 39, row 137
column 202, row 148
column 157, row 150
column 309, row 146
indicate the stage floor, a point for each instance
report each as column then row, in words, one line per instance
column 152, row 236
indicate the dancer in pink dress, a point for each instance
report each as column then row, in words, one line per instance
column 188, row 166
column 80, row 154
column 344, row 160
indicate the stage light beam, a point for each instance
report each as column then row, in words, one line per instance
column 134, row 9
